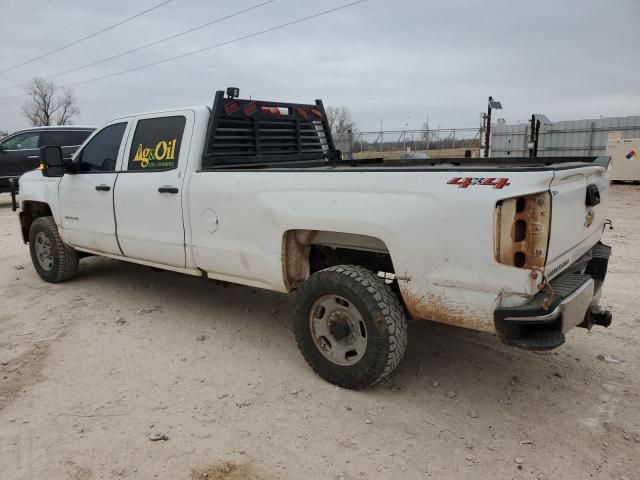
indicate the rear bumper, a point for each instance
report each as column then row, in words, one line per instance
column 570, row 300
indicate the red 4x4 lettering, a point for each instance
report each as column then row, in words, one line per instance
column 496, row 183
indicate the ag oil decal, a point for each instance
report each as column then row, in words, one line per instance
column 156, row 144
column 162, row 155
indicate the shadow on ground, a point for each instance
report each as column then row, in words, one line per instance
column 477, row 367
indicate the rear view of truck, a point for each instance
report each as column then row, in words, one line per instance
column 557, row 235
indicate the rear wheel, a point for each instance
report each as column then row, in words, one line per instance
column 350, row 326
column 54, row 260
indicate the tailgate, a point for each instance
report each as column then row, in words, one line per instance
column 578, row 209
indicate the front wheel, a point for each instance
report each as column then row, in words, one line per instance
column 53, row 259
column 350, row 326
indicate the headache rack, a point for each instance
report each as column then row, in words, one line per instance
column 252, row 133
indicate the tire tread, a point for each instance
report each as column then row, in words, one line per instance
column 68, row 260
column 386, row 301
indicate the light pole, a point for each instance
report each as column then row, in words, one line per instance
column 492, row 104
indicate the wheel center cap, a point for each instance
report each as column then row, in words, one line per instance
column 339, row 326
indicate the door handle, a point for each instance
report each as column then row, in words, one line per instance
column 168, row 189
column 33, row 157
column 103, row 188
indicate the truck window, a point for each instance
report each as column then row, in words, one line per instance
column 156, row 144
column 101, row 153
column 78, row 138
column 23, row 141
column 59, row 138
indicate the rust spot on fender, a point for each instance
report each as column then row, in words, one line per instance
column 295, row 257
column 427, row 306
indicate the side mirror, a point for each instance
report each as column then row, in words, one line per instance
column 51, row 163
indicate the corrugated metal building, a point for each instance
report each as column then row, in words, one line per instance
column 562, row 139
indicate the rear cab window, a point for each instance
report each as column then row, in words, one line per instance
column 156, row 144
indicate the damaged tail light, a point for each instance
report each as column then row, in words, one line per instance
column 522, row 230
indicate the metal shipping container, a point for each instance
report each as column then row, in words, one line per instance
column 562, row 139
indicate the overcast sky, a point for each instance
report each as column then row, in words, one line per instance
column 397, row 60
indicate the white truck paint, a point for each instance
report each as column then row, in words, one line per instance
column 256, row 226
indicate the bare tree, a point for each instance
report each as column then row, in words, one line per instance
column 3, row 133
column 48, row 104
column 340, row 120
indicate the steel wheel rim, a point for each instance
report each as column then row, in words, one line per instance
column 338, row 330
column 43, row 250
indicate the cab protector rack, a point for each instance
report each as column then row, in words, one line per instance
column 252, row 133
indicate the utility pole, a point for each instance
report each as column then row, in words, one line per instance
column 428, row 133
column 487, row 131
column 533, row 137
column 487, row 134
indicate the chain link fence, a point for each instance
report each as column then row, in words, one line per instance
column 432, row 143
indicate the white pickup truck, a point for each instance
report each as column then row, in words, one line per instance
column 255, row 193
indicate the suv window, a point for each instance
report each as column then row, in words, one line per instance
column 101, row 153
column 156, row 144
column 60, row 138
column 22, row 141
column 78, row 137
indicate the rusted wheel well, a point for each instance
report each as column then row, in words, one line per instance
column 307, row 251
column 30, row 211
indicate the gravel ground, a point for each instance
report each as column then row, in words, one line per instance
column 125, row 372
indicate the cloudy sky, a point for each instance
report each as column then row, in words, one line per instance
column 397, row 60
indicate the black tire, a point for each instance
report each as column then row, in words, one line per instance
column 64, row 260
column 379, row 309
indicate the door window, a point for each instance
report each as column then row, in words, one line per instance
column 59, row 138
column 78, row 138
column 23, row 141
column 101, row 153
column 156, row 144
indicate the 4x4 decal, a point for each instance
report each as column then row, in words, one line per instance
column 497, row 183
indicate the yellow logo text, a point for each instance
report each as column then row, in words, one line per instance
column 163, row 155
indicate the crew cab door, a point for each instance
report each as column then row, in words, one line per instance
column 148, row 192
column 86, row 197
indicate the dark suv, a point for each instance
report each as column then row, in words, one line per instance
column 19, row 152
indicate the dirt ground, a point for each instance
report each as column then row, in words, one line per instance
column 129, row 373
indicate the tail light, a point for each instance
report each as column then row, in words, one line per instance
column 522, row 230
